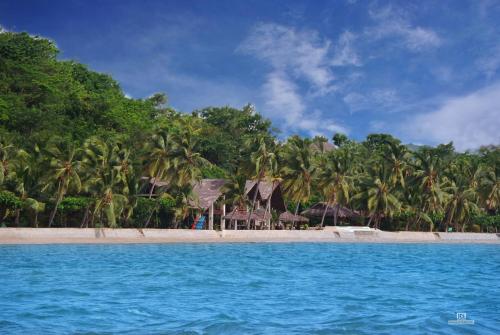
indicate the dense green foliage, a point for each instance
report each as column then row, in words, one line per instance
column 74, row 151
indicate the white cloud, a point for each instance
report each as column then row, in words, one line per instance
column 302, row 53
column 282, row 98
column 392, row 23
column 377, row 99
column 298, row 56
column 469, row 121
column 284, row 103
column 345, row 54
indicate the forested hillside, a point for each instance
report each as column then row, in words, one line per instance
column 75, row 151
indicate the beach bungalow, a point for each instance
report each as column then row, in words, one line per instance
column 209, row 201
column 206, row 194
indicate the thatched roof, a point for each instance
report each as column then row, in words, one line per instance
column 319, row 208
column 290, row 217
column 206, row 192
column 262, row 214
column 265, row 188
column 242, row 215
column 323, row 147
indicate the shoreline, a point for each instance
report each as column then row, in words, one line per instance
column 12, row 236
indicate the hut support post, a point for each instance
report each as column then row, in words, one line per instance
column 268, row 210
column 211, row 217
column 222, row 219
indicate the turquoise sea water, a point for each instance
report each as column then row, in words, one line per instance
column 249, row 289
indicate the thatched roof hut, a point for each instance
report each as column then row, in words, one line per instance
column 262, row 214
column 267, row 190
column 240, row 215
column 290, row 217
column 206, row 192
column 318, row 209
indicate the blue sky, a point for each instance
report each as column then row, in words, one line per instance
column 427, row 71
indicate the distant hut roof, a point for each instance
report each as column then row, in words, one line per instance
column 319, row 208
column 240, row 215
column 206, row 192
column 323, row 147
column 259, row 214
column 290, row 217
column 262, row 214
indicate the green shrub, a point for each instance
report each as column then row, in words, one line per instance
column 74, row 204
column 9, row 200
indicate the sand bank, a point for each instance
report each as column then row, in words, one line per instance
column 331, row 234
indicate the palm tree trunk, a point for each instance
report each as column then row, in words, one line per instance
column 149, row 217
column 58, row 201
column 324, row 214
column 85, row 217
column 154, row 183
column 370, row 220
column 36, row 219
column 296, row 212
column 336, row 217
column 18, row 214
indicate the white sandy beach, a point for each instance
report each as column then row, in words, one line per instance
column 331, row 234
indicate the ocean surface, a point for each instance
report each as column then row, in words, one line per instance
column 249, row 289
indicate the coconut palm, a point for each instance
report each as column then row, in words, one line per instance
column 298, row 170
column 63, row 173
column 378, row 194
column 34, row 206
column 462, row 178
column 6, row 153
column 187, row 162
column 396, row 156
column 427, row 178
column 158, row 157
column 264, row 162
column 489, row 187
column 334, row 179
column 108, row 164
column 235, row 192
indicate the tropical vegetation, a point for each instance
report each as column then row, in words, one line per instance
column 76, row 151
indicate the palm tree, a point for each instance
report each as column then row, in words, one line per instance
column 462, row 196
column 35, row 207
column 63, row 172
column 6, row 151
column 264, row 162
column 427, row 180
column 235, row 192
column 158, row 156
column 109, row 165
column 298, row 170
column 489, row 187
column 378, row 194
column 396, row 156
column 187, row 162
column 334, row 179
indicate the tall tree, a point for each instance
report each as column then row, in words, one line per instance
column 63, row 173
column 264, row 163
column 378, row 194
column 334, row 180
column 298, row 169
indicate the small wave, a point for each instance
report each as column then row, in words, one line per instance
column 138, row 312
